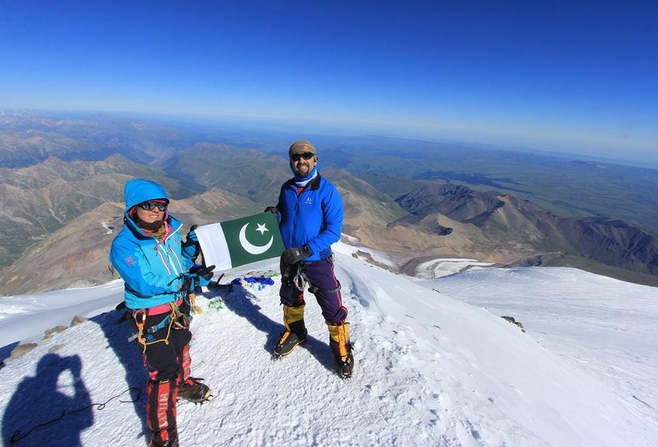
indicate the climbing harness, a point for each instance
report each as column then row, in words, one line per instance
column 301, row 281
column 175, row 319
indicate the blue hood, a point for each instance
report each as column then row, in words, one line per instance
column 140, row 190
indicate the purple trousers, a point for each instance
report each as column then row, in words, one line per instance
column 322, row 283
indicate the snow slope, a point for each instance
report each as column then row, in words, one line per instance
column 431, row 370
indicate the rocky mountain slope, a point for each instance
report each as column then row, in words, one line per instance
column 246, row 172
column 37, row 200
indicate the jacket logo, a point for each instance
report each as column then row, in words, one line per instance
column 308, row 201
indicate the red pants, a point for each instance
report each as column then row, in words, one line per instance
column 168, row 363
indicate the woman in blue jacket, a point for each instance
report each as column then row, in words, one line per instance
column 154, row 262
column 310, row 213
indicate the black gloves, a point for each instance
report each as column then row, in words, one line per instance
column 271, row 209
column 197, row 274
column 204, row 274
column 295, row 255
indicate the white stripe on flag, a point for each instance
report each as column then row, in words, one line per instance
column 213, row 245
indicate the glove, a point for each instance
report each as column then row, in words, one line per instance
column 294, row 255
column 202, row 274
column 205, row 272
column 272, row 209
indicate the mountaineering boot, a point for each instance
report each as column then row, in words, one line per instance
column 345, row 363
column 339, row 341
column 288, row 342
column 295, row 334
column 193, row 390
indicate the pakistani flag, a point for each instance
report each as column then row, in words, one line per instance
column 241, row 241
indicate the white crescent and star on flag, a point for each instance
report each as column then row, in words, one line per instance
column 251, row 248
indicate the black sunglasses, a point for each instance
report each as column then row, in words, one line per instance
column 304, row 155
column 149, row 206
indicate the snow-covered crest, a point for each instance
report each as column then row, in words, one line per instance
column 431, row 370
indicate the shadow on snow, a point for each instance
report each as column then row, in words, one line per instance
column 243, row 303
column 36, row 412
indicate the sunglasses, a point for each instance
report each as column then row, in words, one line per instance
column 149, row 206
column 304, row 155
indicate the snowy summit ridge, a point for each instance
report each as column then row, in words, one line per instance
column 430, row 370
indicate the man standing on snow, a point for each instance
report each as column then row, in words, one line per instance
column 310, row 214
column 155, row 263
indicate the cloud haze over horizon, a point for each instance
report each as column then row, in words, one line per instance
column 570, row 77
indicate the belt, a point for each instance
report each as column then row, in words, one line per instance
column 160, row 308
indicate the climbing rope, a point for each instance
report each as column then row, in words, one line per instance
column 16, row 436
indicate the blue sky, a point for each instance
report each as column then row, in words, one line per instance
column 572, row 76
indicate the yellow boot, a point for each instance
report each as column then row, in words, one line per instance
column 339, row 341
column 295, row 334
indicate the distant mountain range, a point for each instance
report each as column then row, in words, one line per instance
column 510, row 224
column 62, row 179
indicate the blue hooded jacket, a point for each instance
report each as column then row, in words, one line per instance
column 313, row 218
column 151, row 268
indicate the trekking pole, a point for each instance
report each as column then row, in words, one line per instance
column 219, row 279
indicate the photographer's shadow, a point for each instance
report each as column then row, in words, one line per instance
column 39, row 414
column 118, row 332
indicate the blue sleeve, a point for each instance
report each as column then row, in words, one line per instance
column 332, row 221
column 188, row 252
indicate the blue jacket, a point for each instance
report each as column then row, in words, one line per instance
column 151, row 269
column 314, row 217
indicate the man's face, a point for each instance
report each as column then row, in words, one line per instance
column 302, row 164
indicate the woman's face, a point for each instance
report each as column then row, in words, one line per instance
column 150, row 216
column 154, row 214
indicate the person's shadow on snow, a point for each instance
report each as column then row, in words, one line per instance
column 49, row 409
column 243, row 303
column 118, row 332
